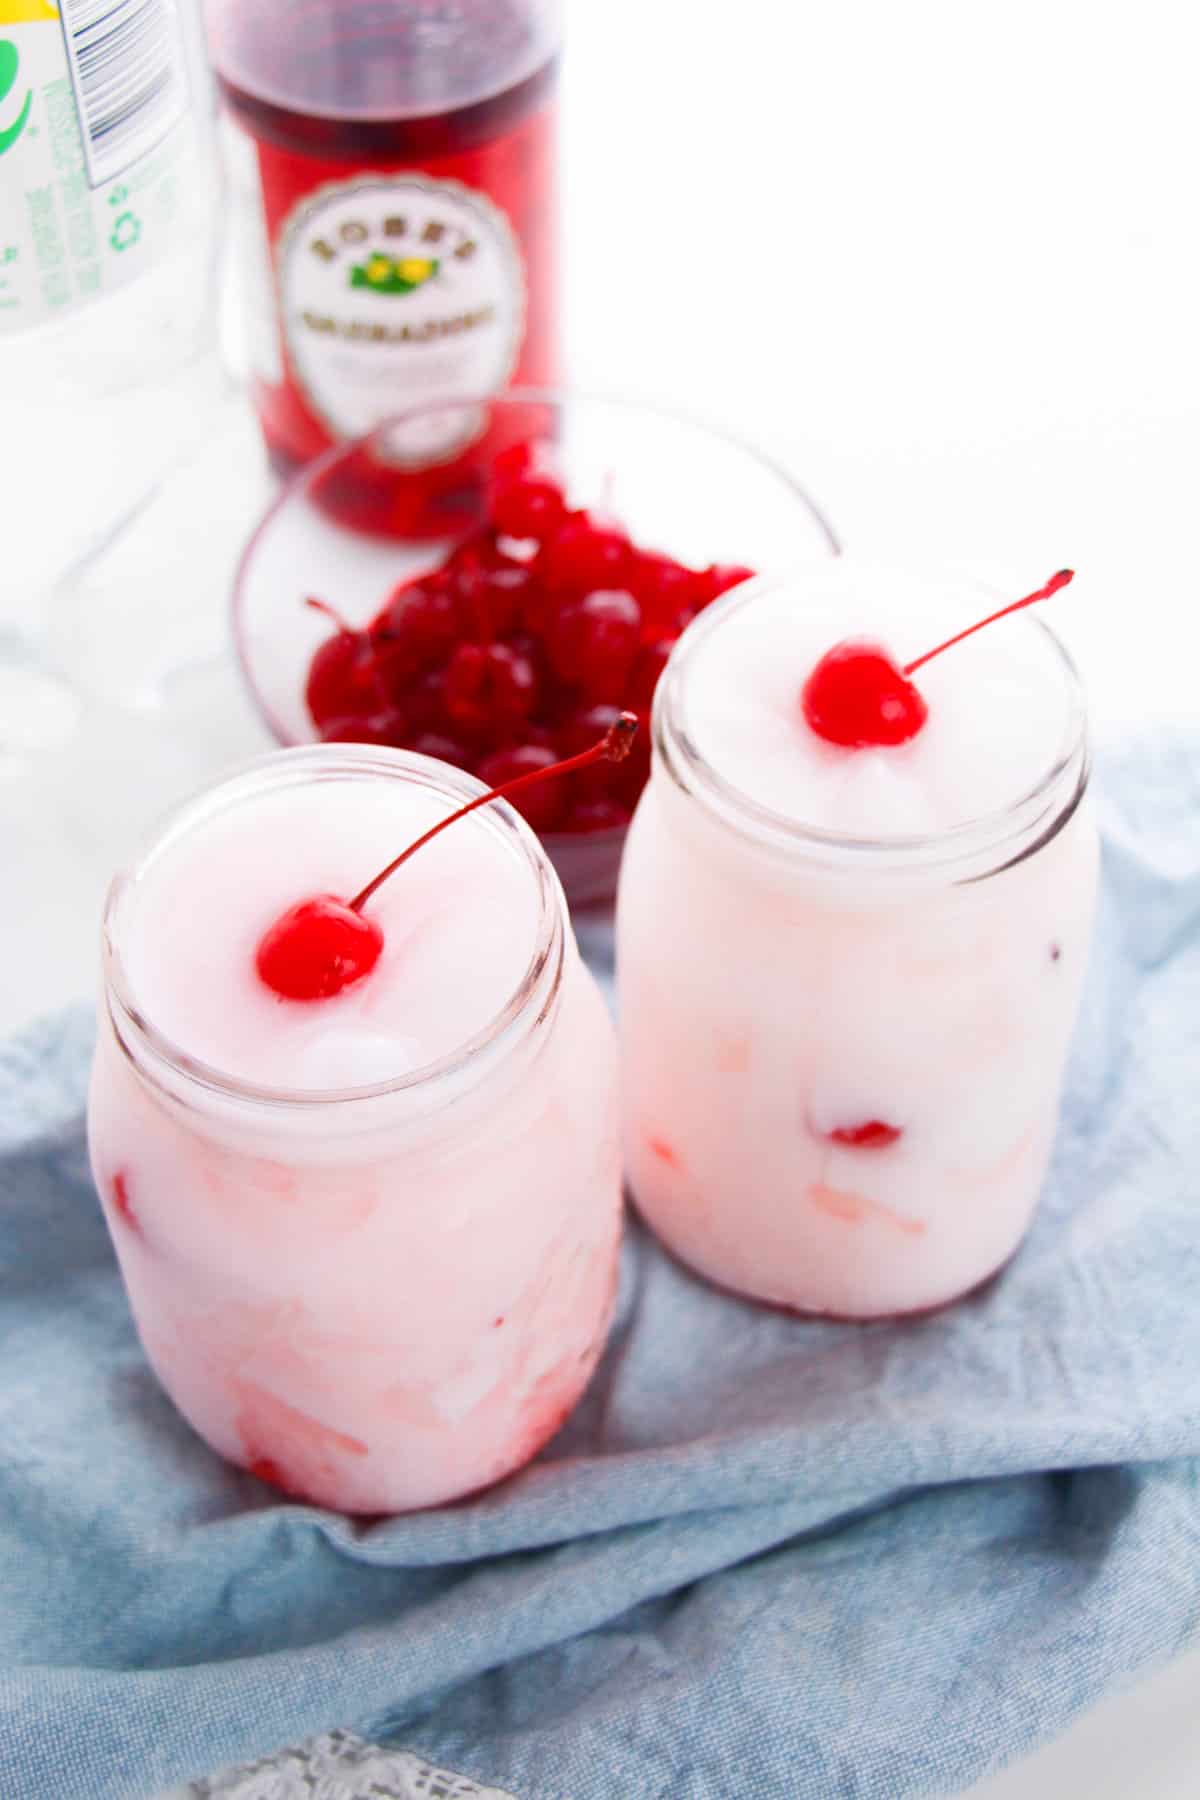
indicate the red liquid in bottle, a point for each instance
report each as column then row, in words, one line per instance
column 393, row 169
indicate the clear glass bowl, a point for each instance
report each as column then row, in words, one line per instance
column 677, row 486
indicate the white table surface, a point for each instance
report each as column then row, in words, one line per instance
column 944, row 259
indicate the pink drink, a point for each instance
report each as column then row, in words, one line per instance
column 370, row 1242
column 849, row 977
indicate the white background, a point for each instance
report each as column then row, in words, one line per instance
column 944, row 255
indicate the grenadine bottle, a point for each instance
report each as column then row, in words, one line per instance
column 392, row 176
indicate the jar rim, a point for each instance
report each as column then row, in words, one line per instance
column 997, row 838
column 531, row 1000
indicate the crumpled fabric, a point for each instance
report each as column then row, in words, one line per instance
column 766, row 1557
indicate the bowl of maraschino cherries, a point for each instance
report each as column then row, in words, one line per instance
column 504, row 630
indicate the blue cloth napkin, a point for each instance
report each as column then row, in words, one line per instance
column 766, row 1558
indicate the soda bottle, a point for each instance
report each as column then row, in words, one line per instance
column 108, row 212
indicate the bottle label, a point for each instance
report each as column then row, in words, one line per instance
column 94, row 126
column 375, row 286
column 395, row 292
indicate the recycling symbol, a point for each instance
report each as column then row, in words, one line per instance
column 127, row 229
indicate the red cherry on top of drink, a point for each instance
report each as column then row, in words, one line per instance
column 317, row 948
column 859, row 697
column 323, row 945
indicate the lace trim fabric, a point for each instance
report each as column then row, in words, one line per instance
column 338, row 1766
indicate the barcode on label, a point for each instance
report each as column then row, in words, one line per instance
column 130, row 82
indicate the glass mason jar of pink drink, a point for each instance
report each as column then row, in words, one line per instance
column 370, row 1243
column 850, row 969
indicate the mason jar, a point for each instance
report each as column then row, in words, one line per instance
column 376, row 1297
column 843, row 1053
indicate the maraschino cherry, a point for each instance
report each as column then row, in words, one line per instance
column 858, row 697
column 343, row 679
column 323, row 945
column 317, row 948
column 541, row 615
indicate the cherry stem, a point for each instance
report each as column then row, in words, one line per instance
column 331, row 612
column 1052, row 586
column 613, row 747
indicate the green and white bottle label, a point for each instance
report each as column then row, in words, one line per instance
column 399, row 290
column 96, row 139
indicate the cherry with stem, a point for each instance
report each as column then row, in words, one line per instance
column 321, row 946
column 859, row 697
